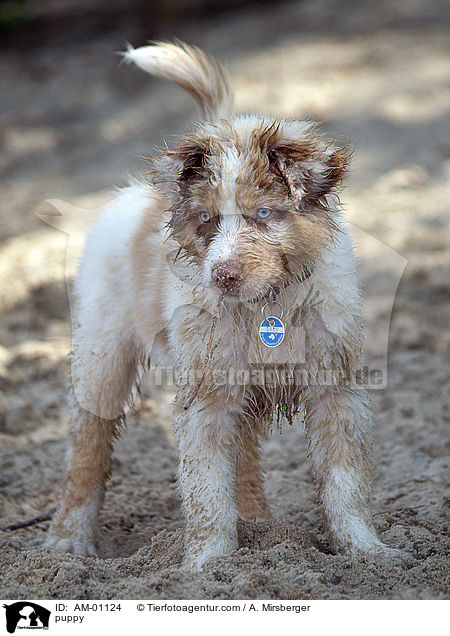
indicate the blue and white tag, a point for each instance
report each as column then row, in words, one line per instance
column 271, row 331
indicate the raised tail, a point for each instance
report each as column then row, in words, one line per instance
column 189, row 67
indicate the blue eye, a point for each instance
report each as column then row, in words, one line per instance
column 205, row 217
column 264, row 213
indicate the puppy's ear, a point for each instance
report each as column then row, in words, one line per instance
column 180, row 167
column 193, row 158
column 309, row 170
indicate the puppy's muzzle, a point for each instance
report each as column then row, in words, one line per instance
column 228, row 277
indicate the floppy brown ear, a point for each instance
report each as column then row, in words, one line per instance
column 181, row 166
column 193, row 157
column 309, row 171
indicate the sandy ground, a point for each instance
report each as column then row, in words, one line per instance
column 74, row 123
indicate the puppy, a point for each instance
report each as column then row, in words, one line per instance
column 231, row 266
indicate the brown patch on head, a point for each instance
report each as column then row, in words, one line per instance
column 193, row 155
column 307, row 169
column 186, row 223
column 184, row 176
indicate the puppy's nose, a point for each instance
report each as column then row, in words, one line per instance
column 227, row 277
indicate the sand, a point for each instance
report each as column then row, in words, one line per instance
column 73, row 125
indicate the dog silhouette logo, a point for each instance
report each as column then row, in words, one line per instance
column 26, row 615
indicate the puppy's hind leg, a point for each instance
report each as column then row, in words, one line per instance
column 250, row 480
column 75, row 523
column 102, row 376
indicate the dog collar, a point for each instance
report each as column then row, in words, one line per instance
column 274, row 291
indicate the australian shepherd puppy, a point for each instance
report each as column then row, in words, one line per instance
column 230, row 265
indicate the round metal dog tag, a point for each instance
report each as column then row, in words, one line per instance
column 271, row 331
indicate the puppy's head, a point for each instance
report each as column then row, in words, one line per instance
column 249, row 200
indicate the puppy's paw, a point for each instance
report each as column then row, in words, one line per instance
column 197, row 554
column 357, row 536
column 71, row 545
column 394, row 555
column 73, row 532
column 379, row 549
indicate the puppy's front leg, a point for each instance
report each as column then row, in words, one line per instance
column 339, row 431
column 207, row 476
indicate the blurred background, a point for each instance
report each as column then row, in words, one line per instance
column 75, row 122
